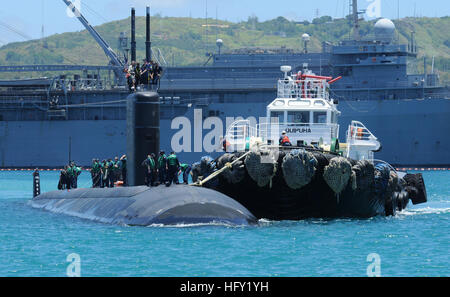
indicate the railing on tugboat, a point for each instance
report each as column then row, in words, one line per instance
column 240, row 132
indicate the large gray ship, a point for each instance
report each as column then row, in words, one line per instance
column 47, row 122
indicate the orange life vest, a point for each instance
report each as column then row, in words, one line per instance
column 285, row 139
column 225, row 144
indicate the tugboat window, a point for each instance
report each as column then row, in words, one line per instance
column 301, row 117
column 320, row 117
column 277, row 114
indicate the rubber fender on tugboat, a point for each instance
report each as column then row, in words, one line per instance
column 416, row 181
column 392, row 183
column 203, row 168
column 382, row 174
column 337, row 174
column 236, row 173
column 260, row 171
column 390, row 206
column 298, row 168
column 364, row 172
column 402, row 200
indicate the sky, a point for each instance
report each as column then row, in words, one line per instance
column 23, row 19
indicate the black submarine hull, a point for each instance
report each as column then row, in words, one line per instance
column 144, row 206
column 140, row 205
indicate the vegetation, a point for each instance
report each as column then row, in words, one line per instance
column 184, row 41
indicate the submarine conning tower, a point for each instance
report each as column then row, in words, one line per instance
column 142, row 132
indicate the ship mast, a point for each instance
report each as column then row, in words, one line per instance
column 355, row 15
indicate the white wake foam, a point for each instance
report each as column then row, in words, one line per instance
column 186, row 225
column 424, row 211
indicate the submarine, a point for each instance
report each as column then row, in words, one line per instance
column 144, row 206
column 138, row 205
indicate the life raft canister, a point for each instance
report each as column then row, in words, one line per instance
column 359, row 134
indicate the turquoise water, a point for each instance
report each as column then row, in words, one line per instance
column 37, row 243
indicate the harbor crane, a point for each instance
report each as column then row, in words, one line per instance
column 109, row 52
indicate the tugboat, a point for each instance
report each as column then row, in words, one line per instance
column 306, row 172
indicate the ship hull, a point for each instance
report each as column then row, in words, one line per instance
column 412, row 132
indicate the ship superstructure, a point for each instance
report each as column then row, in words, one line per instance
column 306, row 116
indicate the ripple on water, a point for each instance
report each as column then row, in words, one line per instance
column 34, row 242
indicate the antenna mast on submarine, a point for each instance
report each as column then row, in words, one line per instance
column 133, row 34
column 148, row 43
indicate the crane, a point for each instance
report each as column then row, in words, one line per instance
column 113, row 58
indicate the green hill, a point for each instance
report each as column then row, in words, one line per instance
column 184, row 41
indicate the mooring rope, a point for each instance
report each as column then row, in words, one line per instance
column 218, row 172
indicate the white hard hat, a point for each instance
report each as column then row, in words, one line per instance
column 284, row 132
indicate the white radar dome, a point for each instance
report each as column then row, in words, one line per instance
column 384, row 30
